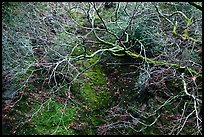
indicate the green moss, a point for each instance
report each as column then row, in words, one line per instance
column 22, row 77
column 88, row 93
column 62, row 36
column 107, row 14
column 90, row 61
column 94, row 87
column 78, row 51
column 26, row 74
column 51, row 118
column 75, row 88
column 96, row 100
column 68, row 28
column 97, row 78
column 23, row 105
column 79, row 17
column 93, row 90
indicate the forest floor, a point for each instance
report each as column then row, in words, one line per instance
column 34, row 110
column 104, row 99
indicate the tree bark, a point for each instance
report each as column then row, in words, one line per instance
column 195, row 5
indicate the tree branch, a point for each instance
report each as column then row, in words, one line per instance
column 196, row 5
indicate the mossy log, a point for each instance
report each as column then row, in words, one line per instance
column 133, row 55
column 114, row 51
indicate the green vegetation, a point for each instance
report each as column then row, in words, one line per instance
column 105, row 68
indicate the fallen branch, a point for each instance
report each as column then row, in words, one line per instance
column 123, row 52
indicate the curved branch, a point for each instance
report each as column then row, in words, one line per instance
column 118, row 48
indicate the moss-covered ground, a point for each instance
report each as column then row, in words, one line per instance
column 37, row 110
column 51, row 116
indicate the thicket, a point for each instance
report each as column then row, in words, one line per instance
column 102, row 68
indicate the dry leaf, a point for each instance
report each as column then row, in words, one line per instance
column 194, row 78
